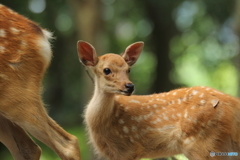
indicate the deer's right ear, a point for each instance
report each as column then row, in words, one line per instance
column 87, row 53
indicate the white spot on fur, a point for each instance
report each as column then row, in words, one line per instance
column 156, row 121
column 174, row 93
column 165, row 118
column 131, row 139
column 138, row 119
column 179, row 101
column 179, row 114
column 2, row 49
column 184, row 98
column 137, row 136
column 23, row 44
column 193, row 107
column 194, row 92
column 125, row 129
column 143, row 131
column 209, row 123
column 202, row 101
column 189, row 118
column 134, row 128
column 189, row 140
column 162, row 100
column 173, row 116
column 155, row 106
column 195, row 121
column 14, row 30
column 148, row 115
column 2, row 33
column 121, row 121
column 3, row 76
column 185, row 114
column 126, row 108
column 202, row 133
column 201, row 95
column 150, row 129
column 134, row 101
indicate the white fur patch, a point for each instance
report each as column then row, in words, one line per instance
column 194, row 92
column 2, row 33
column 45, row 47
column 14, row 30
column 3, row 76
column 121, row 121
column 125, row 129
column 134, row 101
column 2, row 49
column 134, row 128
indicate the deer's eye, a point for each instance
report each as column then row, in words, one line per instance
column 107, row 71
column 129, row 70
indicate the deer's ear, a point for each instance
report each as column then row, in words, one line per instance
column 87, row 53
column 132, row 52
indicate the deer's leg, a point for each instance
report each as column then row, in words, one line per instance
column 21, row 146
column 35, row 120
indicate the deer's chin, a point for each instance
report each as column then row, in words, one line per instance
column 126, row 93
column 120, row 92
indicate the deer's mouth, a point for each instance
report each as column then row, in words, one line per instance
column 126, row 93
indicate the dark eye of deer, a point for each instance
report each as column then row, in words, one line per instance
column 107, row 71
column 129, row 70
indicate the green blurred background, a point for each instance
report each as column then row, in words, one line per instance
column 187, row 43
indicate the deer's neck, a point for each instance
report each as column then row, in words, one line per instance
column 100, row 107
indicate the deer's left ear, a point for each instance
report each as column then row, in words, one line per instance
column 132, row 52
column 87, row 53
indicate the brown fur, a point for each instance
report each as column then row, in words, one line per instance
column 25, row 53
column 193, row 121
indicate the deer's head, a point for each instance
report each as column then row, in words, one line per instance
column 111, row 70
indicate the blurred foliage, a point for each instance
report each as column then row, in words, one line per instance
column 187, row 43
column 204, row 49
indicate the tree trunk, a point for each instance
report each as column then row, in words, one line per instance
column 160, row 13
column 89, row 24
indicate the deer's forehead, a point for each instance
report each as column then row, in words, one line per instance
column 112, row 61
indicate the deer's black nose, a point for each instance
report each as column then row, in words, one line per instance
column 129, row 87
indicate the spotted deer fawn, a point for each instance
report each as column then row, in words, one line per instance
column 193, row 121
column 25, row 54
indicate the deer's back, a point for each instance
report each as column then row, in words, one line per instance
column 25, row 53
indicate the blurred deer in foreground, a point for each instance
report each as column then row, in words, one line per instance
column 193, row 121
column 25, row 53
